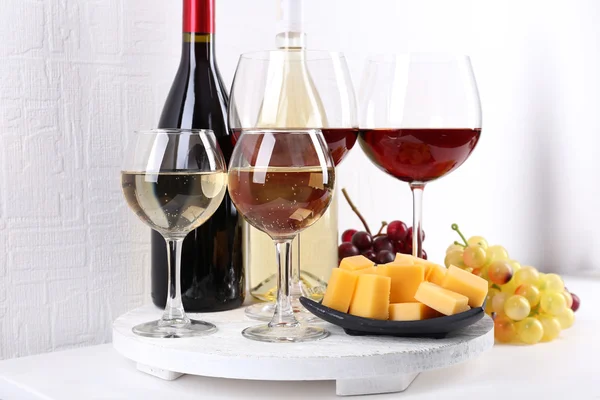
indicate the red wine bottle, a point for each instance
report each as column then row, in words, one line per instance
column 212, row 271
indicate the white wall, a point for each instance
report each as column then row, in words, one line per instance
column 77, row 76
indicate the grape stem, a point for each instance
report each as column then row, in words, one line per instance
column 353, row 207
column 455, row 228
column 383, row 225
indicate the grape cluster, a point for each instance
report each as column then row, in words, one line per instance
column 382, row 247
column 527, row 306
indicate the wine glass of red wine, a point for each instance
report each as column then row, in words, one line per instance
column 295, row 89
column 281, row 182
column 420, row 119
column 174, row 180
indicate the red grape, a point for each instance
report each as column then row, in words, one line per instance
column 382, row 243
column 397, row 230
column 385, row 256
column 347, row 235
column 423, row 254
column 407, row 248
column 576, row 302
column 399, row 246
column 362, row 240
column 410, row 235
column 370, row 254
column 347, row 249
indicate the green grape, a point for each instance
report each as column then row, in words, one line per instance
column 517, row 307
column 514, row 265
column 489, row 300
column 530, row 330
column 530, row 292
column 527, row 275
column 496, row 252
column 566, row 318
column 551, row 327
column 498, row 302
column 455, row 247
column 500, row 272
column 553, row 283
column 553, row 303
column 478, row 241
column 474, row 256
column 454, row 258
column 505, row 330
column 568, row 298
column 510, row 287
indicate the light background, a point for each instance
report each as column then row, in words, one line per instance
column 77, row 76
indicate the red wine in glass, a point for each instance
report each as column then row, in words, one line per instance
column 419, row 155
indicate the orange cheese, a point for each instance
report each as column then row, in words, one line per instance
column 340, row 290
column 371, row 297
column 355, row 263
column 404, row 259
column 411, row 312
column 463, row 282
column 436, row 274
column 368, row 270
column 405, row 280
column 442, row 300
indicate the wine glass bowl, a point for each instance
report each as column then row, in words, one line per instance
column 420, row 119
column 174, row 180
column 281, row 182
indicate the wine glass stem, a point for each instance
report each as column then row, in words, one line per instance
column 284, row 313
column 296, row 284
column 174, row 313
column 417, row 242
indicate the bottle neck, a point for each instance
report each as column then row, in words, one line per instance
column 198, row 47
column 290, row 25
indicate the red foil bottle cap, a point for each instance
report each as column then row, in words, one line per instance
column 199, row 16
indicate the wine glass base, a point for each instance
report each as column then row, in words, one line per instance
column 265, row 311
column 192, row 329
column 285, row 333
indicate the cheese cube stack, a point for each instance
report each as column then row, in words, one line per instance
column 442, row 300
column 356, row 263
column 463, row 282
column 340, row 290
column 411, row 312
column 405, row 280
column 371, row 297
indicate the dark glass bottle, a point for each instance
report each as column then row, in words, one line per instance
column 212, row 271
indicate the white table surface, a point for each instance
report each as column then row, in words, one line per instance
column 566, row 368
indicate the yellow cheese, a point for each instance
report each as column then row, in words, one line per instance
column 340, row 290
column 371, row 297
column 463, row 282
column 404, row 259
column 368, row 270
column 405, row 280
column 355, row 263
column 436, row 274
column 442, row 300
column 411, row 312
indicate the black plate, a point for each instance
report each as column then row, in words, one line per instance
column 429, row 328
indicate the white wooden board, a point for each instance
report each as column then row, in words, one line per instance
column 360, row 365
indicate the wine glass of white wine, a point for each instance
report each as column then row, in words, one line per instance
column 174, row 180
column 292, row 89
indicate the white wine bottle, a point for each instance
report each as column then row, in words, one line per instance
column 291, row 101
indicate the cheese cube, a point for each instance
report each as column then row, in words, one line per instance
column 405, row 280
column 355, row 263
column 436, row 274
column 463, row 282
column 404, row 259
column 411, row 312
column 442, row 300
column 368, row 270
column 371, row 297
column 340, row 290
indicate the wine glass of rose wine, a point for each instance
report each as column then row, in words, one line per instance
column 174, row 180
column 420, row 119
column 281, row 182
column 295, row 88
